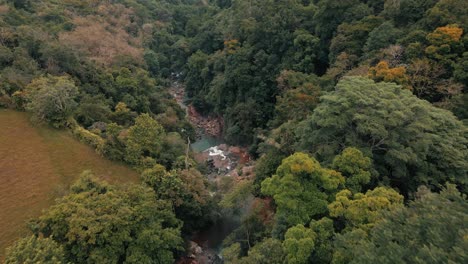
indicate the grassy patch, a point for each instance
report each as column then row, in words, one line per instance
column 37, row 165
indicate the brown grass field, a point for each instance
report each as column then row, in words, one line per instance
column 37, row 165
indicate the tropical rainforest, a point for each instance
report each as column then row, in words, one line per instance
column 353, row 113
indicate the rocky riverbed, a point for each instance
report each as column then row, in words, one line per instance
column 205, row 125
column 222, row 161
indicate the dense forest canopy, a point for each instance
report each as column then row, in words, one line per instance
column 354, row 112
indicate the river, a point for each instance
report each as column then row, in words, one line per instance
column 209, row 147
column 205, row 142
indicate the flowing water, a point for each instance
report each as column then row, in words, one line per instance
column 205, row 142
column 211, row 238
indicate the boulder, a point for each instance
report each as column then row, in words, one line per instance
column 194, row 249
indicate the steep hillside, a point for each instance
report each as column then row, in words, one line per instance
column 37, row 165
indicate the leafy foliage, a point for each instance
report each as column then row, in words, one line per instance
column 186, row 190
column 52, row 99
column 33, row 249
column 268, row 251
column 431, row 228
column 100, row 223
column 411, row 142
column 282, row 76
column 364, row 210
column 298, row 243
column 355, row 167
column 144, row 139
column 382, row 72
column 301, row 189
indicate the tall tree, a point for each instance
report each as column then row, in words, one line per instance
column 410, row 141
column 186, row 190
column 52, row 99
column 432, row 229
column 144, row 139
column 99, row 223
column 301, row 189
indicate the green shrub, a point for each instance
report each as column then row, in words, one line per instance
column 89, row 138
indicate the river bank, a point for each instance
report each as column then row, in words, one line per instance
column 222, row 161
column 211, row 126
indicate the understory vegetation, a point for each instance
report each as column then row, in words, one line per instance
column 355, row 113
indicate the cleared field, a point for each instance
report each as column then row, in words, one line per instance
column 37, row 165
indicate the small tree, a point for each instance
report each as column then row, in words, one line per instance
column 144, row 139
column 383, row 72
column 52, row 99
column 355, row 167
column 33, row 249
column 301, row 189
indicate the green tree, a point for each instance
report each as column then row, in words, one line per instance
column 241, row 121
column 297, row 103
column 186, row 190
column 236, row 197
column 21, row 4
column 197, row 74
column 306, row 47
column 447, row 12
column 52, row 99
column 432, row 229
column 381, row 37
column 151, row 59
column 195, row 211
column 255, row 223
column 167, row 186
column 33, row 249
column 238, row 82
column 144, row 139
column 301, row 189
column 231, row 254
column 92, row 109
column 406, row 12
column 298, row 96
column 6, row 56
column 461, row 69
column 310, row 245
column 323, row 250
column 446, row 45
column 344, row 246
column 98, row 223
column 269, row 251
column 410, row 141
column 266, row 166
column 174, row 147
column 122, row 115
column 351, row 37
column 355, row 167
column 364, row 210
column 299, row 244
column 331, row 13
